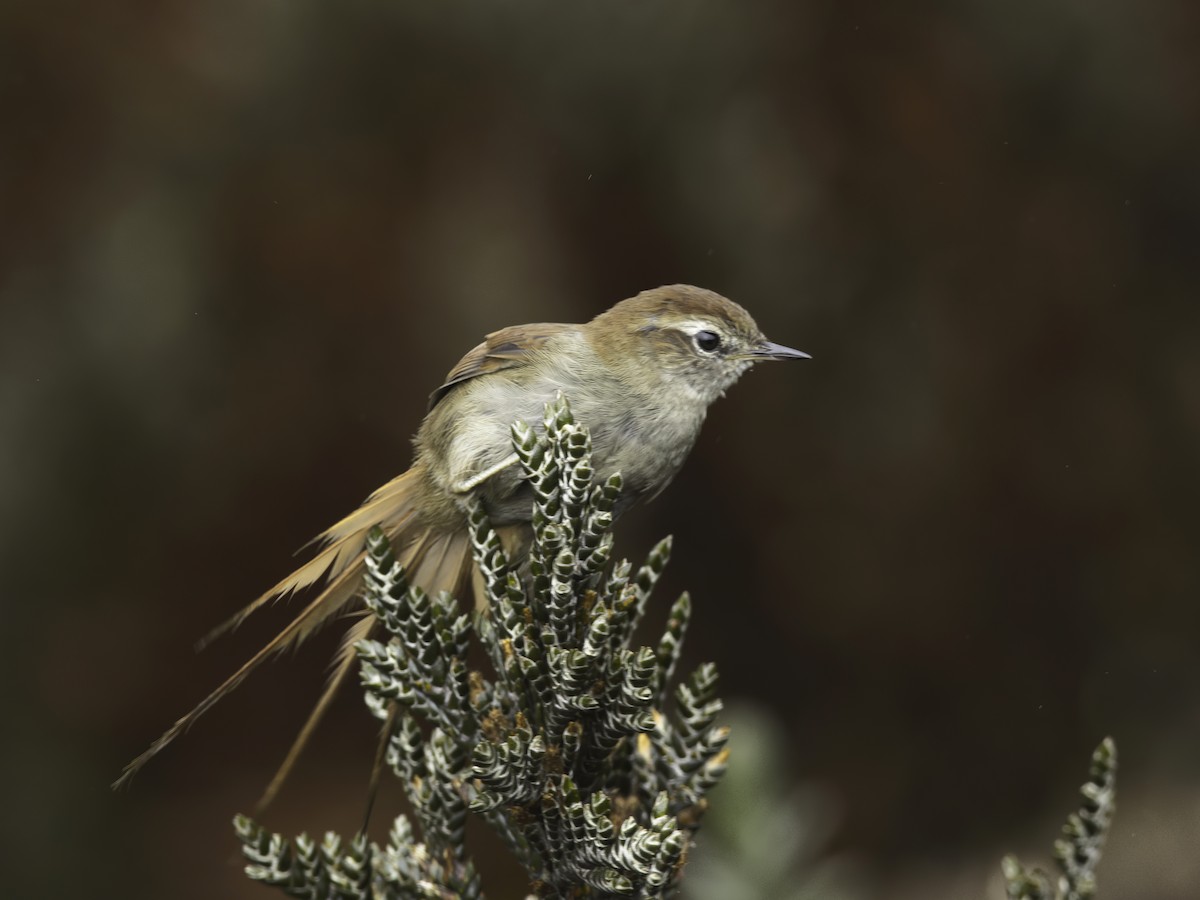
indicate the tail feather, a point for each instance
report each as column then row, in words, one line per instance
column 343, row 665
column 282, row 640
column 378, row 508
column 444, row 563
column 437, row 561
column 381, row 747
column 392, row 507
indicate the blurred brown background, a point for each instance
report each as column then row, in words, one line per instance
column 240, row 241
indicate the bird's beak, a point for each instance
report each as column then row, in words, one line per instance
column 767, row 350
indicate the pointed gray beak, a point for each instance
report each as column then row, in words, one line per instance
column 767, row 350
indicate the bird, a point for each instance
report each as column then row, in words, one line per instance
column 640, row 376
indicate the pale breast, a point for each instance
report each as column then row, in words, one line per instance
column 644, row 436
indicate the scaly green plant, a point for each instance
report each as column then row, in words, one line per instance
column 569, row 749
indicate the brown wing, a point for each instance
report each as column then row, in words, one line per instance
column 504, row 349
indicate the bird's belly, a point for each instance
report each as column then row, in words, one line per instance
column 647, row 447
column 644, row 439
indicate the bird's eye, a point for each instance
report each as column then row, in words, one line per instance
column 708, row 341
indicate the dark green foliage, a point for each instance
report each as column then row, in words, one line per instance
column 334, row 869
column 567, row 750
column 1078, row 851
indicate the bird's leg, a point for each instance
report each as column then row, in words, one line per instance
column 469, row 484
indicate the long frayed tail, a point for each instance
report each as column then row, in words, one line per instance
column 437, row 560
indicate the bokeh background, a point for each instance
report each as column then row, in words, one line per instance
column 240, row 241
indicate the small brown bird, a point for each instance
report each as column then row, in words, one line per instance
column 640, row 376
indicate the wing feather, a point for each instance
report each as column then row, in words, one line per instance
column 507, row 348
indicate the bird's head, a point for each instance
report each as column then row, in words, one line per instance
column 683, row 339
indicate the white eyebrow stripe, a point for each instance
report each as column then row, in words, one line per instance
column 694, row 326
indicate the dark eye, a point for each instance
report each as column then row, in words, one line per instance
column 708, row 341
